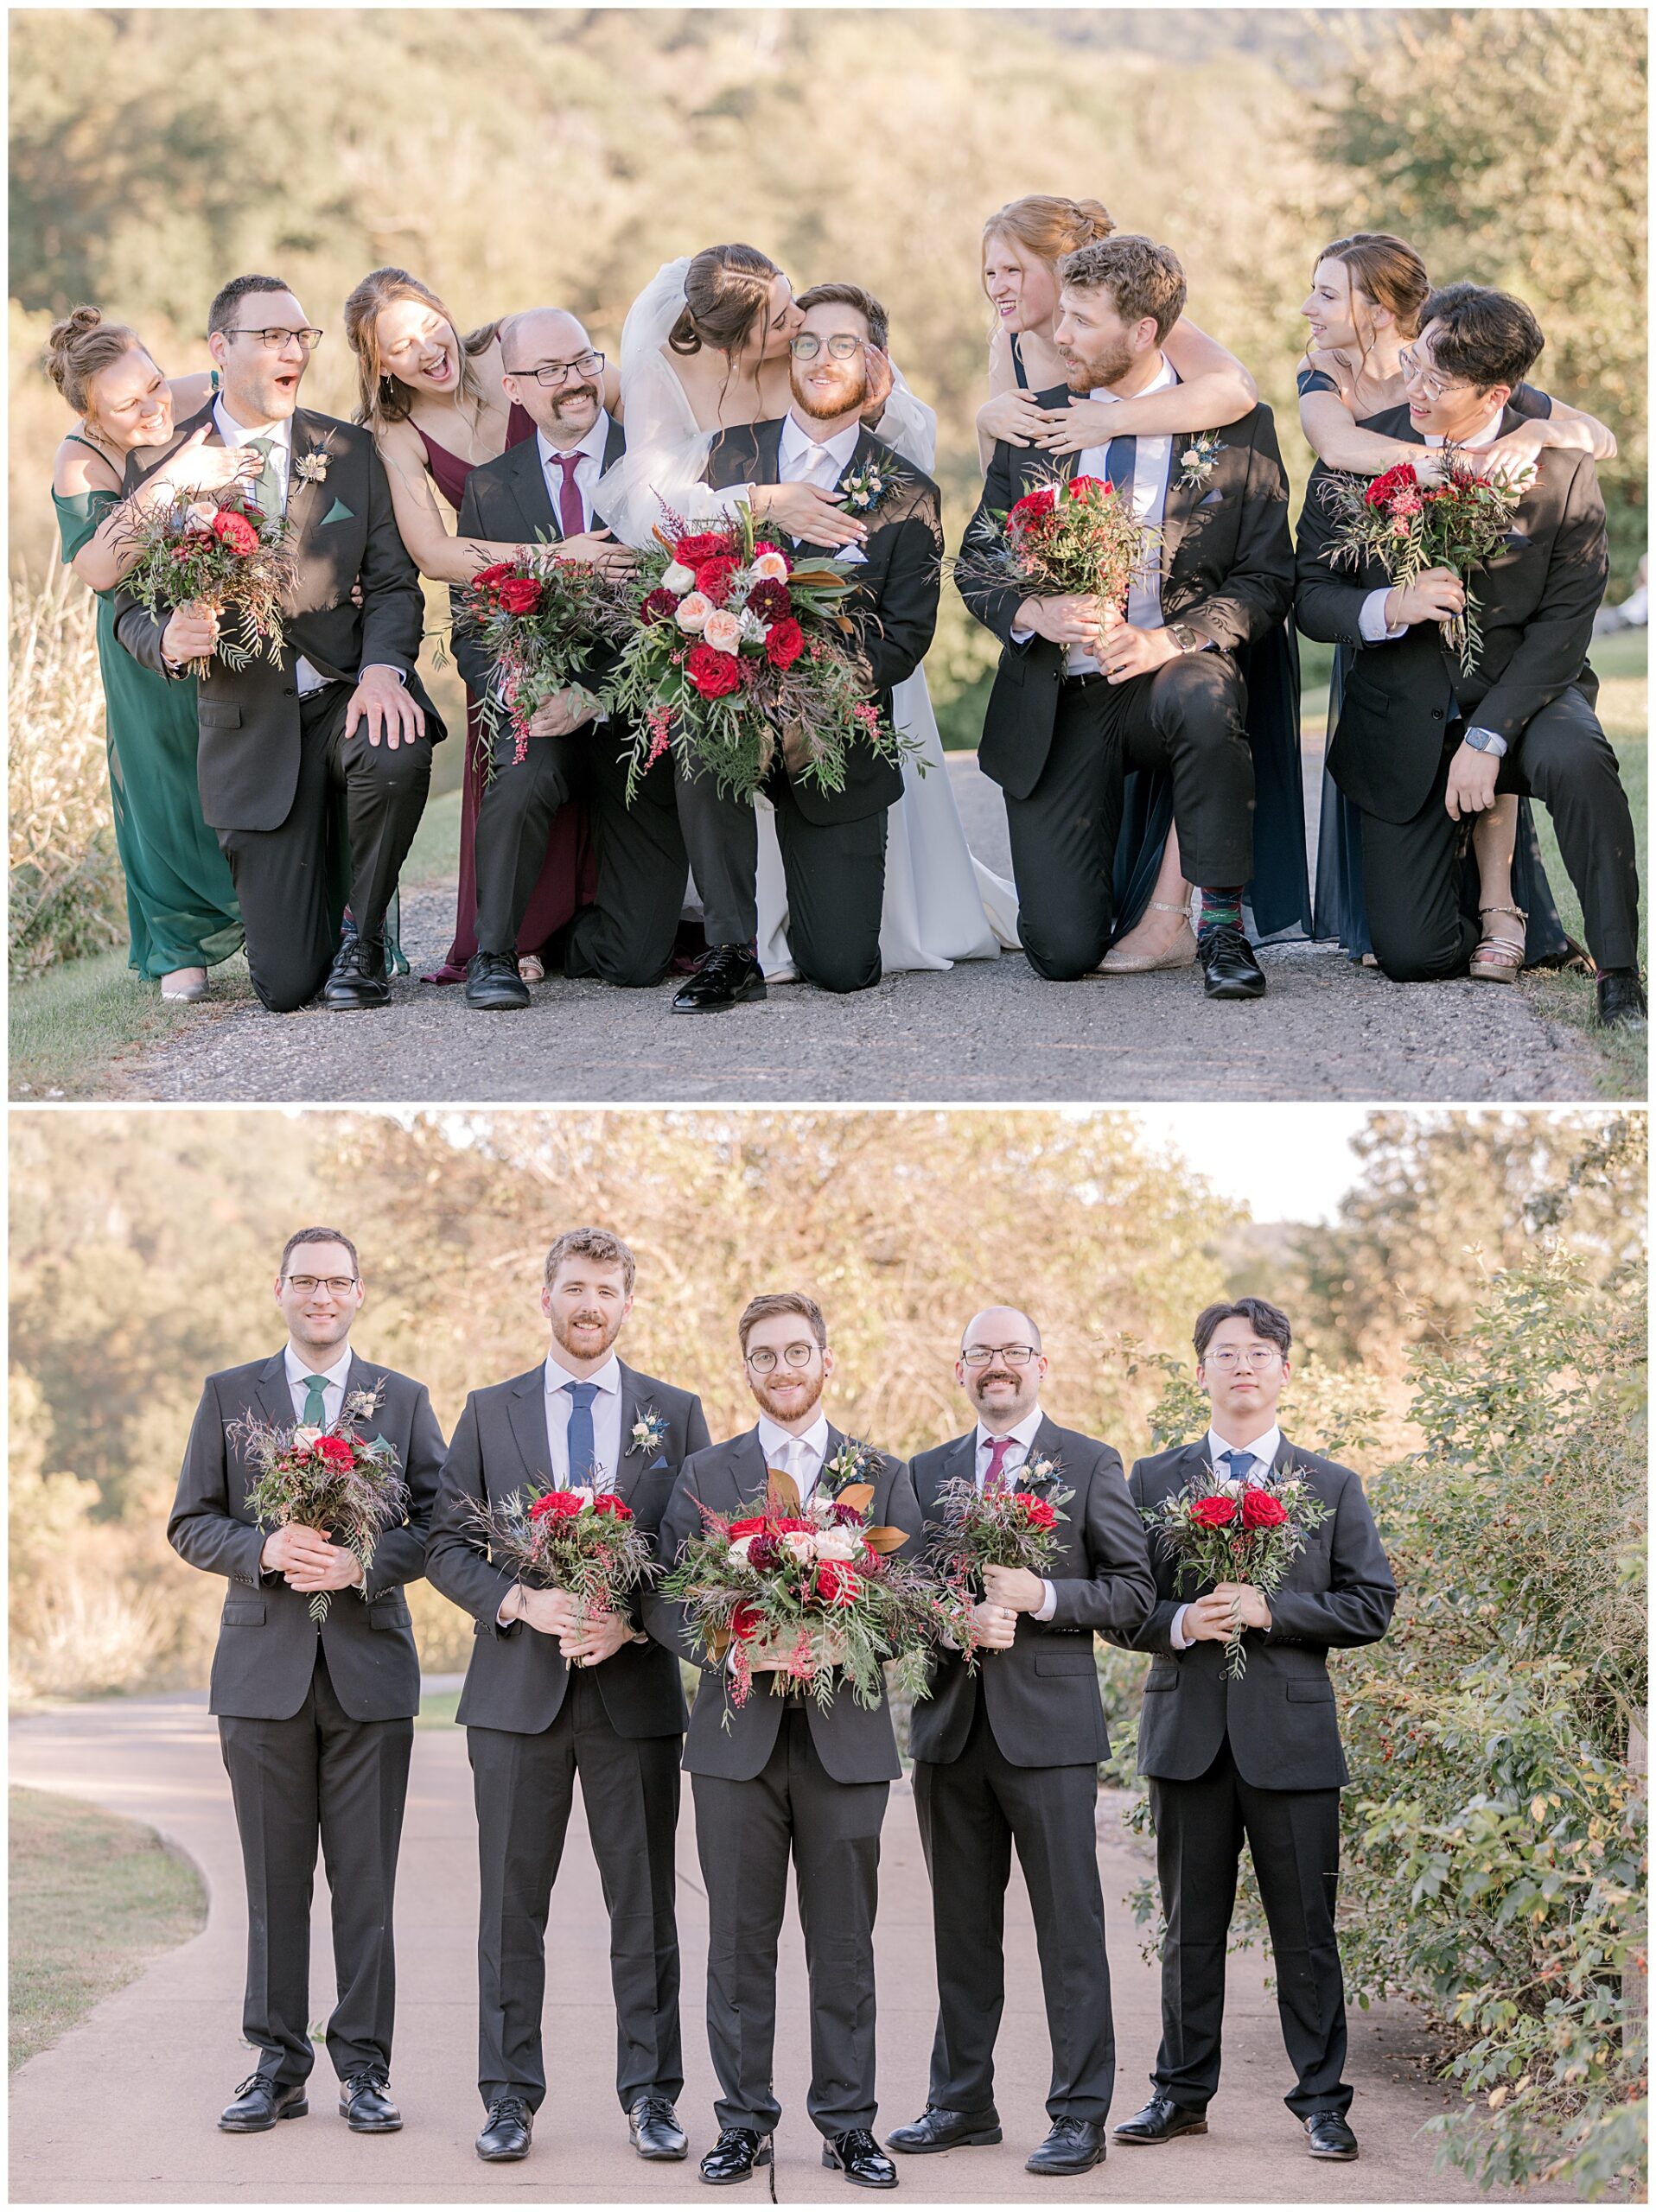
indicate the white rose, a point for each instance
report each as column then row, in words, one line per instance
column 739, row 1546
column 803, row 1546
column 304, row 1438
column 721, row 630
column 839, row 1543
column 771, row 567
column 694, row 612
column 676, row 578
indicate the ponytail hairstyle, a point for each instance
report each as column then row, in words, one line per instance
column 727, row 291
column 1047, row 227
column 1386, row 270
column 383, row 398
column 82, row 344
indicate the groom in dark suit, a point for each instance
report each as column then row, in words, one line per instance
column 552, row 1693
column 1078, row 702
column 315, row 1722
column 833, row 843
column 1009, row 1755
column 541, row 492
column 345, row 711
column 1259, row 1757
column 779, row 1777
column 1421, row 748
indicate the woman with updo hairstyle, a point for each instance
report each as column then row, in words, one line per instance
column 181, row 905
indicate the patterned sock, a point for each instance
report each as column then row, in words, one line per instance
column 1221, row 908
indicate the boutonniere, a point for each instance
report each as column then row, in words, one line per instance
column 312, row 467
column 1039, row 1470
column 868, row 487
column 1196, row 462
column 854, row 1462
column 649, row 1431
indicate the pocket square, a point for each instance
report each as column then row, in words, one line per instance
column 338, row 512
column 656, row 1465
column 1212, row 499
column 853, row 556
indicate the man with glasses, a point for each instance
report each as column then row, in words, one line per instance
column 1008, row 1755
column 1257, row 1758
column 343, row 721
column 1422, row 747
column 781, row 1776
column 833, row 843
column 316, row 1719
column 540, row 492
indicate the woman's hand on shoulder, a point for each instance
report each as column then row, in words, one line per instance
column 1012, row 417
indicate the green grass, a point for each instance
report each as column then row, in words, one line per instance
column 434, row 856
column 438, row 1709
column 93, row 1899
column 70, row 1027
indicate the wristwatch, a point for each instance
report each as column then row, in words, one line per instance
column 1486, row 740
column 1187, row 639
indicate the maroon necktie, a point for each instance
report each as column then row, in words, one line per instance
column 993, row 1478
column 572, row 518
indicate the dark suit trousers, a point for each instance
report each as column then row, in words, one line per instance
column 320, row 1775
column 1185, row 718
column 1413, row 870
column 514, row 819
column 524, row 1789
column 282, row 876
column 744, row 1833
column 1294, row 1836
column 971, row 1811
column 835, row 874
column 626, row 936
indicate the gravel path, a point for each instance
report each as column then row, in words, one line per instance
column 986, row 1030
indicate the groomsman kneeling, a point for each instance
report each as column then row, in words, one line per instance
column 316, row 1719
column 551, row 1693
column 1257, row 1758
column 1009, row 1755
column 778, row 1777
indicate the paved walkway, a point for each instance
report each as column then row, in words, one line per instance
column 122, row 2110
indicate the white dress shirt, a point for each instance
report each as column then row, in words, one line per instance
column 799, row 1456
column 587, row 470
column 605, row 1424
column 802, row 459
column 1263, row 1450
column 1024, row 1437
column 333, row 1384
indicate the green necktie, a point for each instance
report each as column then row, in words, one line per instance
column 315, row 1409
column 267, row 493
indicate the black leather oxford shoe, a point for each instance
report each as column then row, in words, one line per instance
column 1160, row 2121
column 357, row 977
column 860, row 2158
column 734, row 2156
column 364, row 2100
column 939, row 2129
column 1072, row 2145
column 1229, row 969
column 653, row 2125
column 259, row 2102
column 507, row 2131
column 1329, row 2137
column 1622, row 998
column 492, row 983
column 729, row 974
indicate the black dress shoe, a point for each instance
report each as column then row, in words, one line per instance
column 729, row 974
column 939, row 2129
column 653, row 2125
column 733, row 2157
column 1329, row 2137
column 1229, row 969
column 1160, row 2121
column 1072, row 2145
column 259, row 2102
column 364, row 2100
column 1622, row 998
column 357, row 978
column 492, row 983
column 507, row 2131
column 860, row 2158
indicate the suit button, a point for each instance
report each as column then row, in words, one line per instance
column 291, row 691
column 1438, row 714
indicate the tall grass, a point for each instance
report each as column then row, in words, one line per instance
column 68, row 895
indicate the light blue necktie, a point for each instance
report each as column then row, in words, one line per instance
column 584, row 1451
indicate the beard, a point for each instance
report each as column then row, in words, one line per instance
column 792, row 1409
column 568, row 394
column 848, row 390
column 562, row 1325
column 1087, row 372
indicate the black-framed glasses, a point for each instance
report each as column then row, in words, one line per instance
column 273, row 341
column 1014, row 1355
column 763, row 1360
column 554, row 373
column 841, row 346
column 335, row 1286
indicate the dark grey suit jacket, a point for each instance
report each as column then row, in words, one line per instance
column 518, row 1677
column 343, row 533
column 266, row 1652
column 1041, row 1697
column 855, row 1743
column 1280, row 1716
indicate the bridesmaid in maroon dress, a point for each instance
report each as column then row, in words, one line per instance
column 434, row 403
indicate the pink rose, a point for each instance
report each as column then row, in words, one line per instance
column 770, row 567
column 694, row 612
column 722, row 630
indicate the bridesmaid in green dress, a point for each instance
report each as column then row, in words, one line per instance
column 181, row 905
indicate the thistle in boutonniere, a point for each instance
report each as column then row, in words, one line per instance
column 312, row 467
column 852, row 1463
column 649, row 1431
column 1196, row 461
column 869, row 487
column 1038, row 1471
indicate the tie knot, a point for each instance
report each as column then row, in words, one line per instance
column 1240, row 1462
column 315, row 1400
column 569, row 462
column 582, row 1393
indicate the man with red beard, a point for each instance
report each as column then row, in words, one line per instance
column 554, row 1691
column 833, row 843
column 780, row 1777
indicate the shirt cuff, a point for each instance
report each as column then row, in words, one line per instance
column 1493, row 743
column 502, row 1618
column 1021, row 636
column 395, row 670
column 1049, row 1605
column 1371, row 620
column 1176, row 1635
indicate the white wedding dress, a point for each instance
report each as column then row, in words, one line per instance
column 941, row 904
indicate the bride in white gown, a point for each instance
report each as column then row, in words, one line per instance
column 941, row 904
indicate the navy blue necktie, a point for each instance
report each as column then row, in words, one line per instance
column 1119, row 458
column 1239, row 1463
column 583, row 1452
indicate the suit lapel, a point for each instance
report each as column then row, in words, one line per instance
column 308, row 435
column 1184, row 494
column 527, row 1407
column 956, row 1467
column 274, row 1393
column 527, row 476
column 629, row 1464
column 615, row 444
column 748, row 1468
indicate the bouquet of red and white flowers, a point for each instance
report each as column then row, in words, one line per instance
column 1014, row 1524
column 1222, row 1530
column 738, row 653
column 538, row 617
column 221, row 550
column 815, row 1583
column 1409, row 527
column 348, row 1486
column 585, row 1541
column 1078, row 534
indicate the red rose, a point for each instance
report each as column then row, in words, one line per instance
column 715, row 675
column 713, row 577
column 784, row 644
column 701, row 545
column 555, row 1505
column 744, row 1622
column 607, row 1502
column 236, row 531
column 520, row 594
column 1033, row 505
column 487, row 579
column 1261, row 1510
column 336, row 1450
column 837, row 1582
column 769, row 601
column 1039, row 1512
column 792, row 1525
column 1400, row 478
column 659, row 607
column 1081, row 485
column 749, row 1528
column 1213, row 1512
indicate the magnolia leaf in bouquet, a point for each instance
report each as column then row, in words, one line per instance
column 885, row 1540
column 784, row 1491
column 860, row 1495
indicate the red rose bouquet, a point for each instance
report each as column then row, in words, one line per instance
column 1409, row 527
column 1067, row 535
column 816, row 1583
column 538, row 618
column 585, row 1541
column 221, row 550
column 737, row 652
column 347, row 1485
column 1221, row 1530
column 1014, row 1524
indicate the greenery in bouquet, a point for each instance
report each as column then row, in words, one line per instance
column 1012, row 1524
column 585, row 1541
column 1067, row 534
column 222, row 550
column 1219, row 1529
column 538, row 618
column 347, row 1485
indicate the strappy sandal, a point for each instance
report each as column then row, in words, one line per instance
column 1497, row 959
column 1182, row 953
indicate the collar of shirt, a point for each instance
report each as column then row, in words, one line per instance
column 796, row 450
column 591, row 447
column 1485, row 436
column 279, row 434
column 773, row 1439
column 299, row 1373
column 1264, row 1448
column 609, row 1377
column 1024, row 1433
